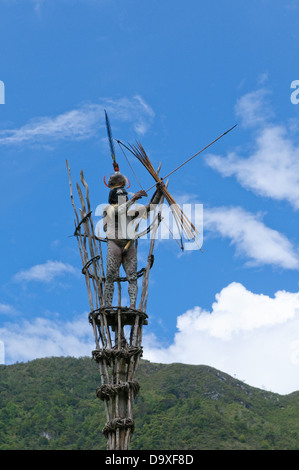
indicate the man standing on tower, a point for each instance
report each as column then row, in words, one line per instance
column 119, row 218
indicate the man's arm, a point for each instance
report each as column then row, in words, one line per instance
column 123, row 208
column 156, row 197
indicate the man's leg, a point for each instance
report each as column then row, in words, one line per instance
column 130, row 267
column 113, row 263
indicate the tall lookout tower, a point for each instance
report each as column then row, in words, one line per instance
column 117, row 328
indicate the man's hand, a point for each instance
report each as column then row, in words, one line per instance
column 139, row 195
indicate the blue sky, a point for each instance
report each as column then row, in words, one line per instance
column 173, row 75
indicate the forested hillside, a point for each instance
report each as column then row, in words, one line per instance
column 51, row 404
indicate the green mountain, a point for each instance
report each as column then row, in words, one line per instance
column 51, row 404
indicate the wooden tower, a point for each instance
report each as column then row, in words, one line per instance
column 118, row 329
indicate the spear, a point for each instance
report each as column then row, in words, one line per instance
column 111, row 144
column 186, row 161
column 193, row 156
column 181, row 219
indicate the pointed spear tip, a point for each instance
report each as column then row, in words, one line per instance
column 230, row 129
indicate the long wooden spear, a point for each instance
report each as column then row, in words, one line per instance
column 181, row 219
column 186, row 161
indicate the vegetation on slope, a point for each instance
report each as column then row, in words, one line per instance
column 51, row 404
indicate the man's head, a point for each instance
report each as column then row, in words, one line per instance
column 117, row 183
column 117, row 180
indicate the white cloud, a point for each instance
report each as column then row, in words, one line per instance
column 237, row 310
column 253, row 108
column 45, row 338
column 46, row 272
column 272, row 167
column 7, row 309
column 81, row 123
column 75, row 124
column 251, row 237
column 134, row 110
column 252, row 336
